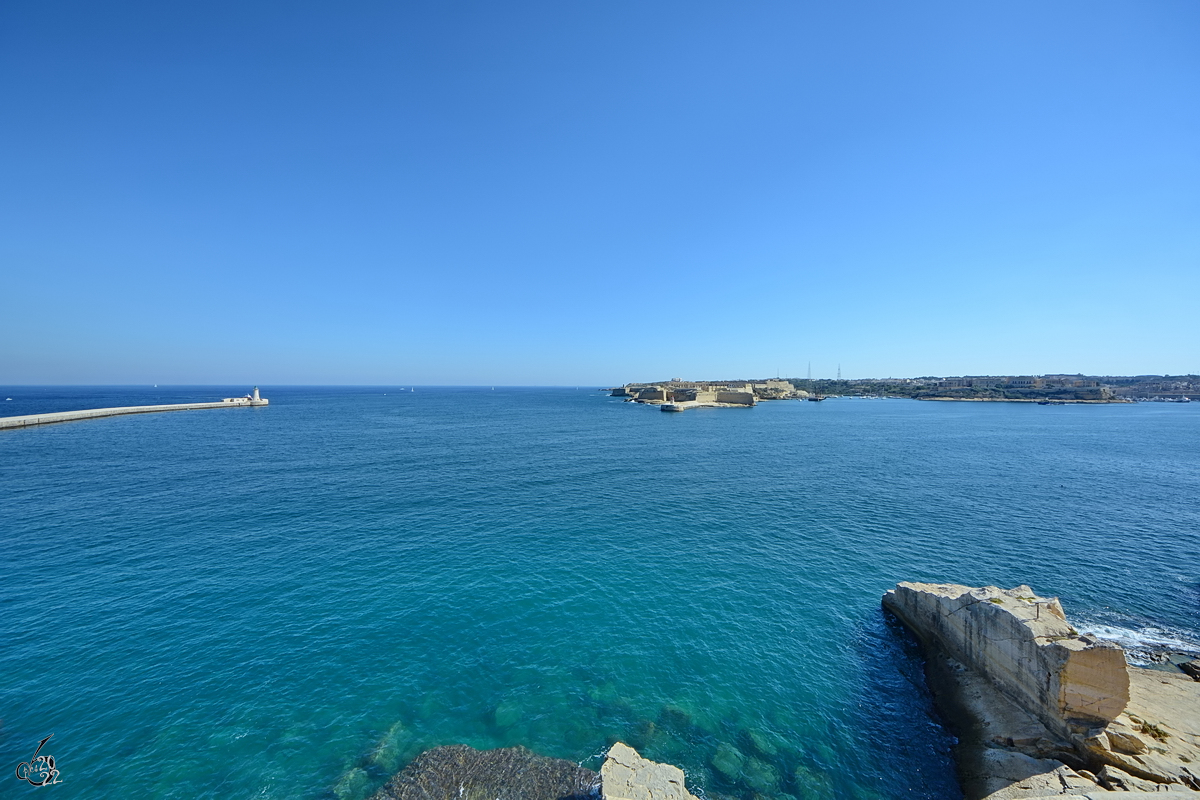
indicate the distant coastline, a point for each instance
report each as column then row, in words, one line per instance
column 677, row 394
column 1119, row 400
column 1076, row 388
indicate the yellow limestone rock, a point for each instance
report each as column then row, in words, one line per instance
column 1020, row 664
column 1024, row 645
column 1164, row 717
column 627, row 776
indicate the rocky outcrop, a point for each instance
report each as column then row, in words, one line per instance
column 458, row 772
column 627, row 776
column 1041, row 710
column 1024, row 645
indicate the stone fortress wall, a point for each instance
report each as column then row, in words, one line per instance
column 708, row 393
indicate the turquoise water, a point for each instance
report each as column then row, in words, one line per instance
column 290, row 602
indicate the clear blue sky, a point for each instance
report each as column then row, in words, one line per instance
column 596, row 192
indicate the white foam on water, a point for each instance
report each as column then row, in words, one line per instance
column 1145, row 640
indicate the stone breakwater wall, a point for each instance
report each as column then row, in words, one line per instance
column 29, row 420
column 1041, row 710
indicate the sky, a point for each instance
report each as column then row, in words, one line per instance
column 587, row 193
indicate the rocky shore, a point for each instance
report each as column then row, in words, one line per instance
column 736, row 761
column 458, row 772
column 1041, row 710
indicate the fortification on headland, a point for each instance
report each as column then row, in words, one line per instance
column 678, row 395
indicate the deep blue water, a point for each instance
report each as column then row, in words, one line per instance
column 292, row 601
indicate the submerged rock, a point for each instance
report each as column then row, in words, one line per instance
column 675, row 717
column 811, row 784
column 458, row 772
column 760, row 743
column 645, row 734
column 390, row 750
column 507, row 714
column 352, row 785
column 760, row 776
column 728, row 761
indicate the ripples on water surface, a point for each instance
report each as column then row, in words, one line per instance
column 293, row 601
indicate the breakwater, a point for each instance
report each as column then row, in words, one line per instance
column 28, row 420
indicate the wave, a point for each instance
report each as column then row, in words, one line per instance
column 1149, row 644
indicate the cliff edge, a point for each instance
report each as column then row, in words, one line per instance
column 1041, row 710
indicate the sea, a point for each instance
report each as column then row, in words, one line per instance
column 294, row 601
